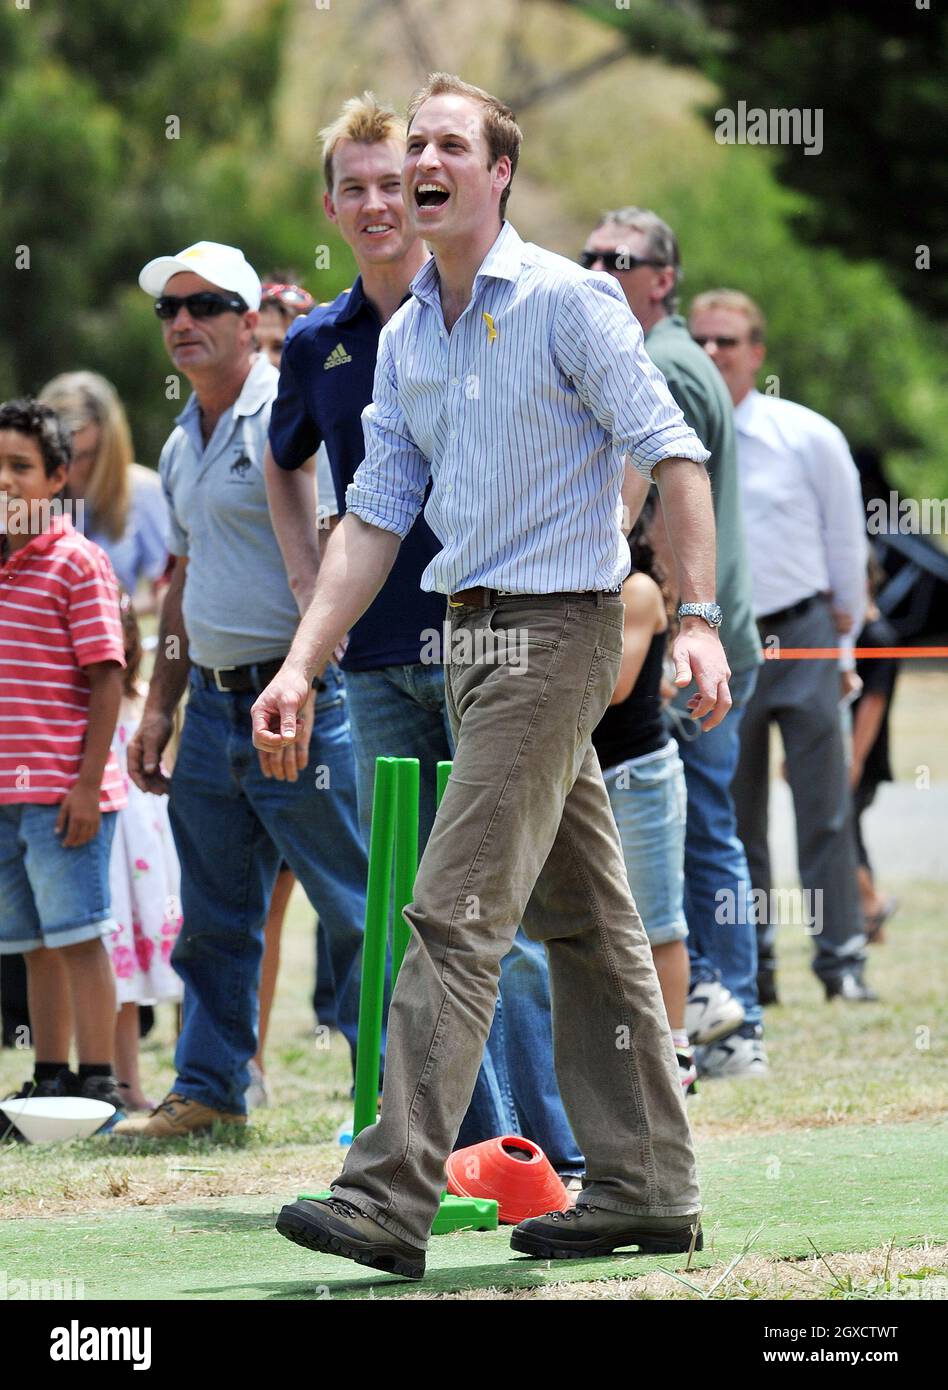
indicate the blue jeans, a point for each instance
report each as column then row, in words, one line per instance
column 50, row 895
column 232, row 826
column 400, row 712
column 722, row 944
column 647, row 796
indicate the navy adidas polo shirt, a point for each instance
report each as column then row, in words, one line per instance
column 326, row 377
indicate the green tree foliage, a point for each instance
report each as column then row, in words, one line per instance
column 129, row 129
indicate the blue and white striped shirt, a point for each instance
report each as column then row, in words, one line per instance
column 521, row 416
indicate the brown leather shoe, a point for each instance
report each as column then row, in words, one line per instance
column 175, row 1118
column 338, row 1228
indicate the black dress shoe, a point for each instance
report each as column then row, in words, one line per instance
column 850, row 988
column 767, row 988
column 586, row 1230
column 338, row 1228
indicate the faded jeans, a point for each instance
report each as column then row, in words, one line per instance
column 525, row 833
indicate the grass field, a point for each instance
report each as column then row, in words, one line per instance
column 775, row 1176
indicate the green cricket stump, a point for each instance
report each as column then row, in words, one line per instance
column 393, row 844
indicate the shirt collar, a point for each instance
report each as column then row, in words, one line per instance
column 502, row 262
column 748, row 416
column 255, row 392
column 354, row 304
column 665, row 325
column 58, row 526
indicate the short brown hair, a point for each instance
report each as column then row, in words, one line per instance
column 503, row 135
column 361, row 118
column 739, row 303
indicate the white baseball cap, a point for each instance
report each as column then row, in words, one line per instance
column 224, row 266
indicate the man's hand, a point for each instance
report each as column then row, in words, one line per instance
column 277, row 712
column 699, row 656
column 78, row 819
column 286, row 763
column 145, row 750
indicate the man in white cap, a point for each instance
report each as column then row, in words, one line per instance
column 234, row 815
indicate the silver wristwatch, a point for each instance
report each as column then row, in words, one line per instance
column 712, row 613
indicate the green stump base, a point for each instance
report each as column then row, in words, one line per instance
column 454, row 1213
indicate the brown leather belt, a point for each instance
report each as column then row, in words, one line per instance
column 488, row 598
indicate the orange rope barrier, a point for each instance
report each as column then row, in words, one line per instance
column 861, row 653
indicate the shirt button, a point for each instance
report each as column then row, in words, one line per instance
column 455, row 381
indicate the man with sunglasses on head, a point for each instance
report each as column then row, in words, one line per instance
column 723, row 1014
column 235, row 815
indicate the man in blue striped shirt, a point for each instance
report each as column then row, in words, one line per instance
column 518, row 383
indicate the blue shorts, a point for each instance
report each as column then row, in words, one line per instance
column 51, row 896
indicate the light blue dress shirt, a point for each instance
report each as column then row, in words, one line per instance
column 521, row 416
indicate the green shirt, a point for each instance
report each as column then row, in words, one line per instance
column 699, row 389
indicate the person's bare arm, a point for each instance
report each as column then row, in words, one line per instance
column 685, row 491
column 356, row 564
column 78, row 819
column 292, row 498
column 635, row 489
column 642, row 600
column 867, row 722
column 168, row 683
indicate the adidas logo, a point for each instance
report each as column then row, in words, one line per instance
column 337, row 358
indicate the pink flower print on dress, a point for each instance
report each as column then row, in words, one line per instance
column 142, row 865
column 144, row 950
column 123, row 962
column 166, row 947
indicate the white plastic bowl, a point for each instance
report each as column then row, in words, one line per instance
column 51, row 1119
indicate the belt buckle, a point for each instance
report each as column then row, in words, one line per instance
column 452, row 604
column 217, row 678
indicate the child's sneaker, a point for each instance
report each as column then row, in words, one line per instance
column 101, row 1088
column 33, row 1090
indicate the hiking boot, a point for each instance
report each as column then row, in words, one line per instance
column 586, row 1230
column 175, row 1118
column 338, row 1228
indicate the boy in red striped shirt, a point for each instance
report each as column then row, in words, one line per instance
column 61, row 660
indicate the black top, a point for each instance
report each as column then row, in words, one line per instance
column 635, row 727
column 878, row 676
column 326, row 376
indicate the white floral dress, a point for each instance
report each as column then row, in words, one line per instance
column 145, row 881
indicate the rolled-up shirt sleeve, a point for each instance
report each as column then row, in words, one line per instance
column 598, row 343
column 388, row 490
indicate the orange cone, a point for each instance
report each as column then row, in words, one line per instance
column 513, row 1171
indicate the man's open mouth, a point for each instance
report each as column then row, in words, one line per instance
column 378, row 228
column 430, row 195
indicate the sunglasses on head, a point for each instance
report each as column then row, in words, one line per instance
column 616, row 260
column 204, row 305
column 703, row 339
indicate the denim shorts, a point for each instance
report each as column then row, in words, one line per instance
column 51, row 896
column 649, row 803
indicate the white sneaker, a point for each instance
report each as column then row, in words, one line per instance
column 257, row 1094
column 734, row 1056
column 711, row 1013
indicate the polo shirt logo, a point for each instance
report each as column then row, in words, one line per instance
column 337, row 358
column 241, row 466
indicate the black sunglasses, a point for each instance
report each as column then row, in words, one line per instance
column 703, row 339
column 204, row 305
column 616, row 260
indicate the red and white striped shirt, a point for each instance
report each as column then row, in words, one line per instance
column 59, row 612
